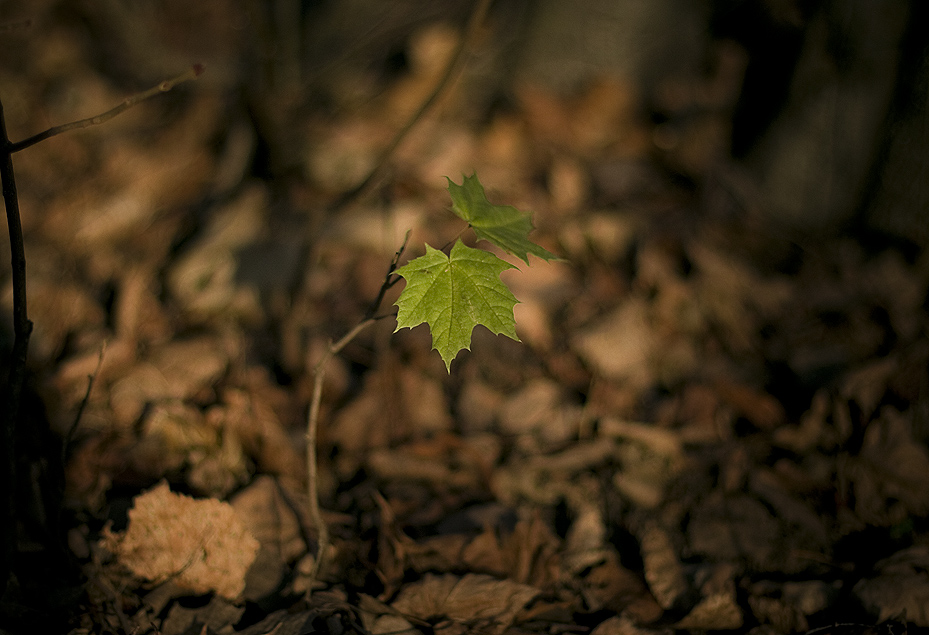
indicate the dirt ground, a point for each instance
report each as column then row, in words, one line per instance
column 711, row 423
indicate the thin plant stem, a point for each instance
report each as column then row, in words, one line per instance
column 69, row 438
column 319, row 374
column 390, row 279
column 470, row 36
column 312, row 425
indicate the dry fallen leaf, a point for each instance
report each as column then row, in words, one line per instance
column 620, row 345
column 900, row 588
column 888, row 478
column 714, row 612
column 265, row 513
column 199, row 544
column 663, row 570
column 473, row 599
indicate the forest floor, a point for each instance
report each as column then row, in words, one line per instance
column 710, row 423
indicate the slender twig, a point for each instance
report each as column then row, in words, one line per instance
column 312, row 425
column 470, row 36
column 192, row 73
column 69, row 438
column 390, row 279
column 322, row 530
column 446, row 246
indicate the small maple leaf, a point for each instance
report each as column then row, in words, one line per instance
column 503, row 225
column 455, row 293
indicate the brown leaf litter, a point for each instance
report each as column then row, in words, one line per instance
column 708, row 426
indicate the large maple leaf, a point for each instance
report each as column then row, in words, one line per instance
column 503, row 225
column 455, row 293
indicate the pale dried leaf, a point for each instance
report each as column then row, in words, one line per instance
column 530, row 409
column 199, row 544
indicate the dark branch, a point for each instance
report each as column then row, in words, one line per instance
column 195, row 71
column 22, row 329
column 389, row 280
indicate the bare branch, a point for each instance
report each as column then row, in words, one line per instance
column 192, row 73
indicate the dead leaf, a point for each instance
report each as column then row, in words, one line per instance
column 900, row 588
column 621, row 345
column 475, row 600
column 888, row 479
column 728, row 528
column 763, row 410
column 266, row 515
column 396, row 403
column 200, row 544
column 216, row 615
column 611, row 586
column 535, row 409
column 624, row 625
column 715, row 612
column 250, row 413
column 180, row 370
column 204, row 278
column 663, row 570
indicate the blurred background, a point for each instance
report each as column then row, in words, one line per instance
column 729, row 371
column 822, row 103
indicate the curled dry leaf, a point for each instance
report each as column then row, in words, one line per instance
column 199, row 544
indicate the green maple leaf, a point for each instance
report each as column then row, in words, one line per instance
column 503, row 225
column 455, row 293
